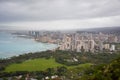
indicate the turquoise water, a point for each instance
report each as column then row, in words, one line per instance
column 10, row 45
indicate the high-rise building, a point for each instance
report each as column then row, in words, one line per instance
column 78, row 43
column 112, row 48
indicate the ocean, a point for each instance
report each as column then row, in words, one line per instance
column 11, row 45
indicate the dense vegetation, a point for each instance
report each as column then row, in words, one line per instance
column 60, row 71
column 66, row 57
column 109, row 71
column 63, row 59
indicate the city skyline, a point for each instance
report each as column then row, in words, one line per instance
column 58, row 15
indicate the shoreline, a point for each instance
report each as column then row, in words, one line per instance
column 19, row 49
column 31, row 37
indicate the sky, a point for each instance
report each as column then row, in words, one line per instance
column 58, row 14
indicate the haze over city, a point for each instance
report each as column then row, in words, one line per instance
column 58, row 14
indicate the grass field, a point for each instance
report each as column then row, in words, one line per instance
column 38, row 65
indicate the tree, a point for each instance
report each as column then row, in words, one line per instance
column 61, row 70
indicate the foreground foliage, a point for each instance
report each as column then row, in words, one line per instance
column 109, row 71
column 67, row 65
column 63, row 57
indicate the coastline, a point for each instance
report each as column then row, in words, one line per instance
column 22, row 45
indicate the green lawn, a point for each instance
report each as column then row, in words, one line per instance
column 38, row 65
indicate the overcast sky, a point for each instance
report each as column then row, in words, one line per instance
column 58, row 14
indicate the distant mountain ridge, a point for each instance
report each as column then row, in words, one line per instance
column 113, row 30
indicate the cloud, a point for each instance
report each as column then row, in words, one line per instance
column 64, row 24
column 12, row 11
